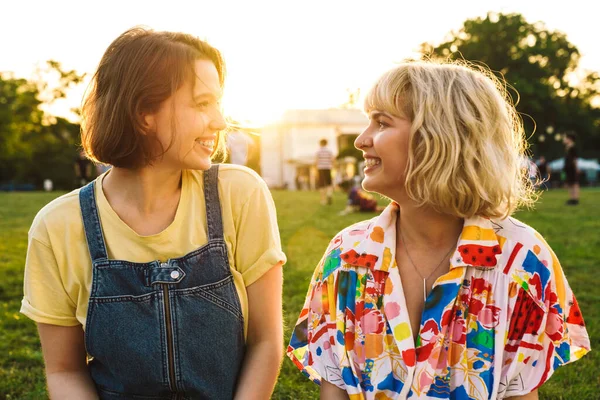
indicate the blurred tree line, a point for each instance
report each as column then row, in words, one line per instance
column 540, row 66
column 554, row 96
column 35, row 146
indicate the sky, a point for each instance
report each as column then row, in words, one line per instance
column 279, row 54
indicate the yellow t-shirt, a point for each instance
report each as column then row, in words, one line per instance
column 58, row 269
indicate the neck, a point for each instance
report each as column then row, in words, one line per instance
column 146, row 189
column 425, row 228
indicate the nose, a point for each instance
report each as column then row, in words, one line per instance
column 217, row 122
column 362, row 140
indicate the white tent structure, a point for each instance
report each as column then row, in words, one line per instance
column 582, row 164
column 589, row 167
column 289, row 146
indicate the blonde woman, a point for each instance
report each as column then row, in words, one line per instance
column 444, row 295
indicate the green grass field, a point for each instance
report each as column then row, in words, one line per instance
column 306, row 227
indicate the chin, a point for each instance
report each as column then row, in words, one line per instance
column 201, row 165
column 376, row 186
column 369, row 185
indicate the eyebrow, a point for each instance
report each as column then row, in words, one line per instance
column 378, row 114
column 207, row 95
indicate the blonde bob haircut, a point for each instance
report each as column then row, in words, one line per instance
column 466, row 142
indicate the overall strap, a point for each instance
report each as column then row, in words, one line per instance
column 91, row 223
column 213, row 205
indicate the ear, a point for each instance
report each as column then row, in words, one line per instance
column 148, row 123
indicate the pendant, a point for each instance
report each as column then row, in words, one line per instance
column 424, row 290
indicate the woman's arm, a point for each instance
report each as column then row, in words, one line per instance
column 331, row 392
column 65, row 358
column 530, row 396
column 264, row 344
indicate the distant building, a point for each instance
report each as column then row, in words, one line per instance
column 288, row 147
column 239, row 147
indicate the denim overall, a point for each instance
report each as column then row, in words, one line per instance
column 164, row 330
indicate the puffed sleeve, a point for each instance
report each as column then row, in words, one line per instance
column 258, row 246
column 545, row 328
column 314, row 346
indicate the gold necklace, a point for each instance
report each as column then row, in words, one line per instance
column 417, row 270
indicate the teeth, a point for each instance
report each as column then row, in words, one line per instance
column 207, row 143
column 369, row 162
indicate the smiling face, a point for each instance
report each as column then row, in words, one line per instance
column 187, row 124
column 384, row 144
column 445, row 137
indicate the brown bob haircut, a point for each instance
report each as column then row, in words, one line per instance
column 139, row 71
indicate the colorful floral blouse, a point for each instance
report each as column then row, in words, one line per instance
column 496, row 325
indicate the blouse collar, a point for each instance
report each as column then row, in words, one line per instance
column 478, row 245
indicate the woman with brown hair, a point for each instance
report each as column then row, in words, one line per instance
column 166, row 270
